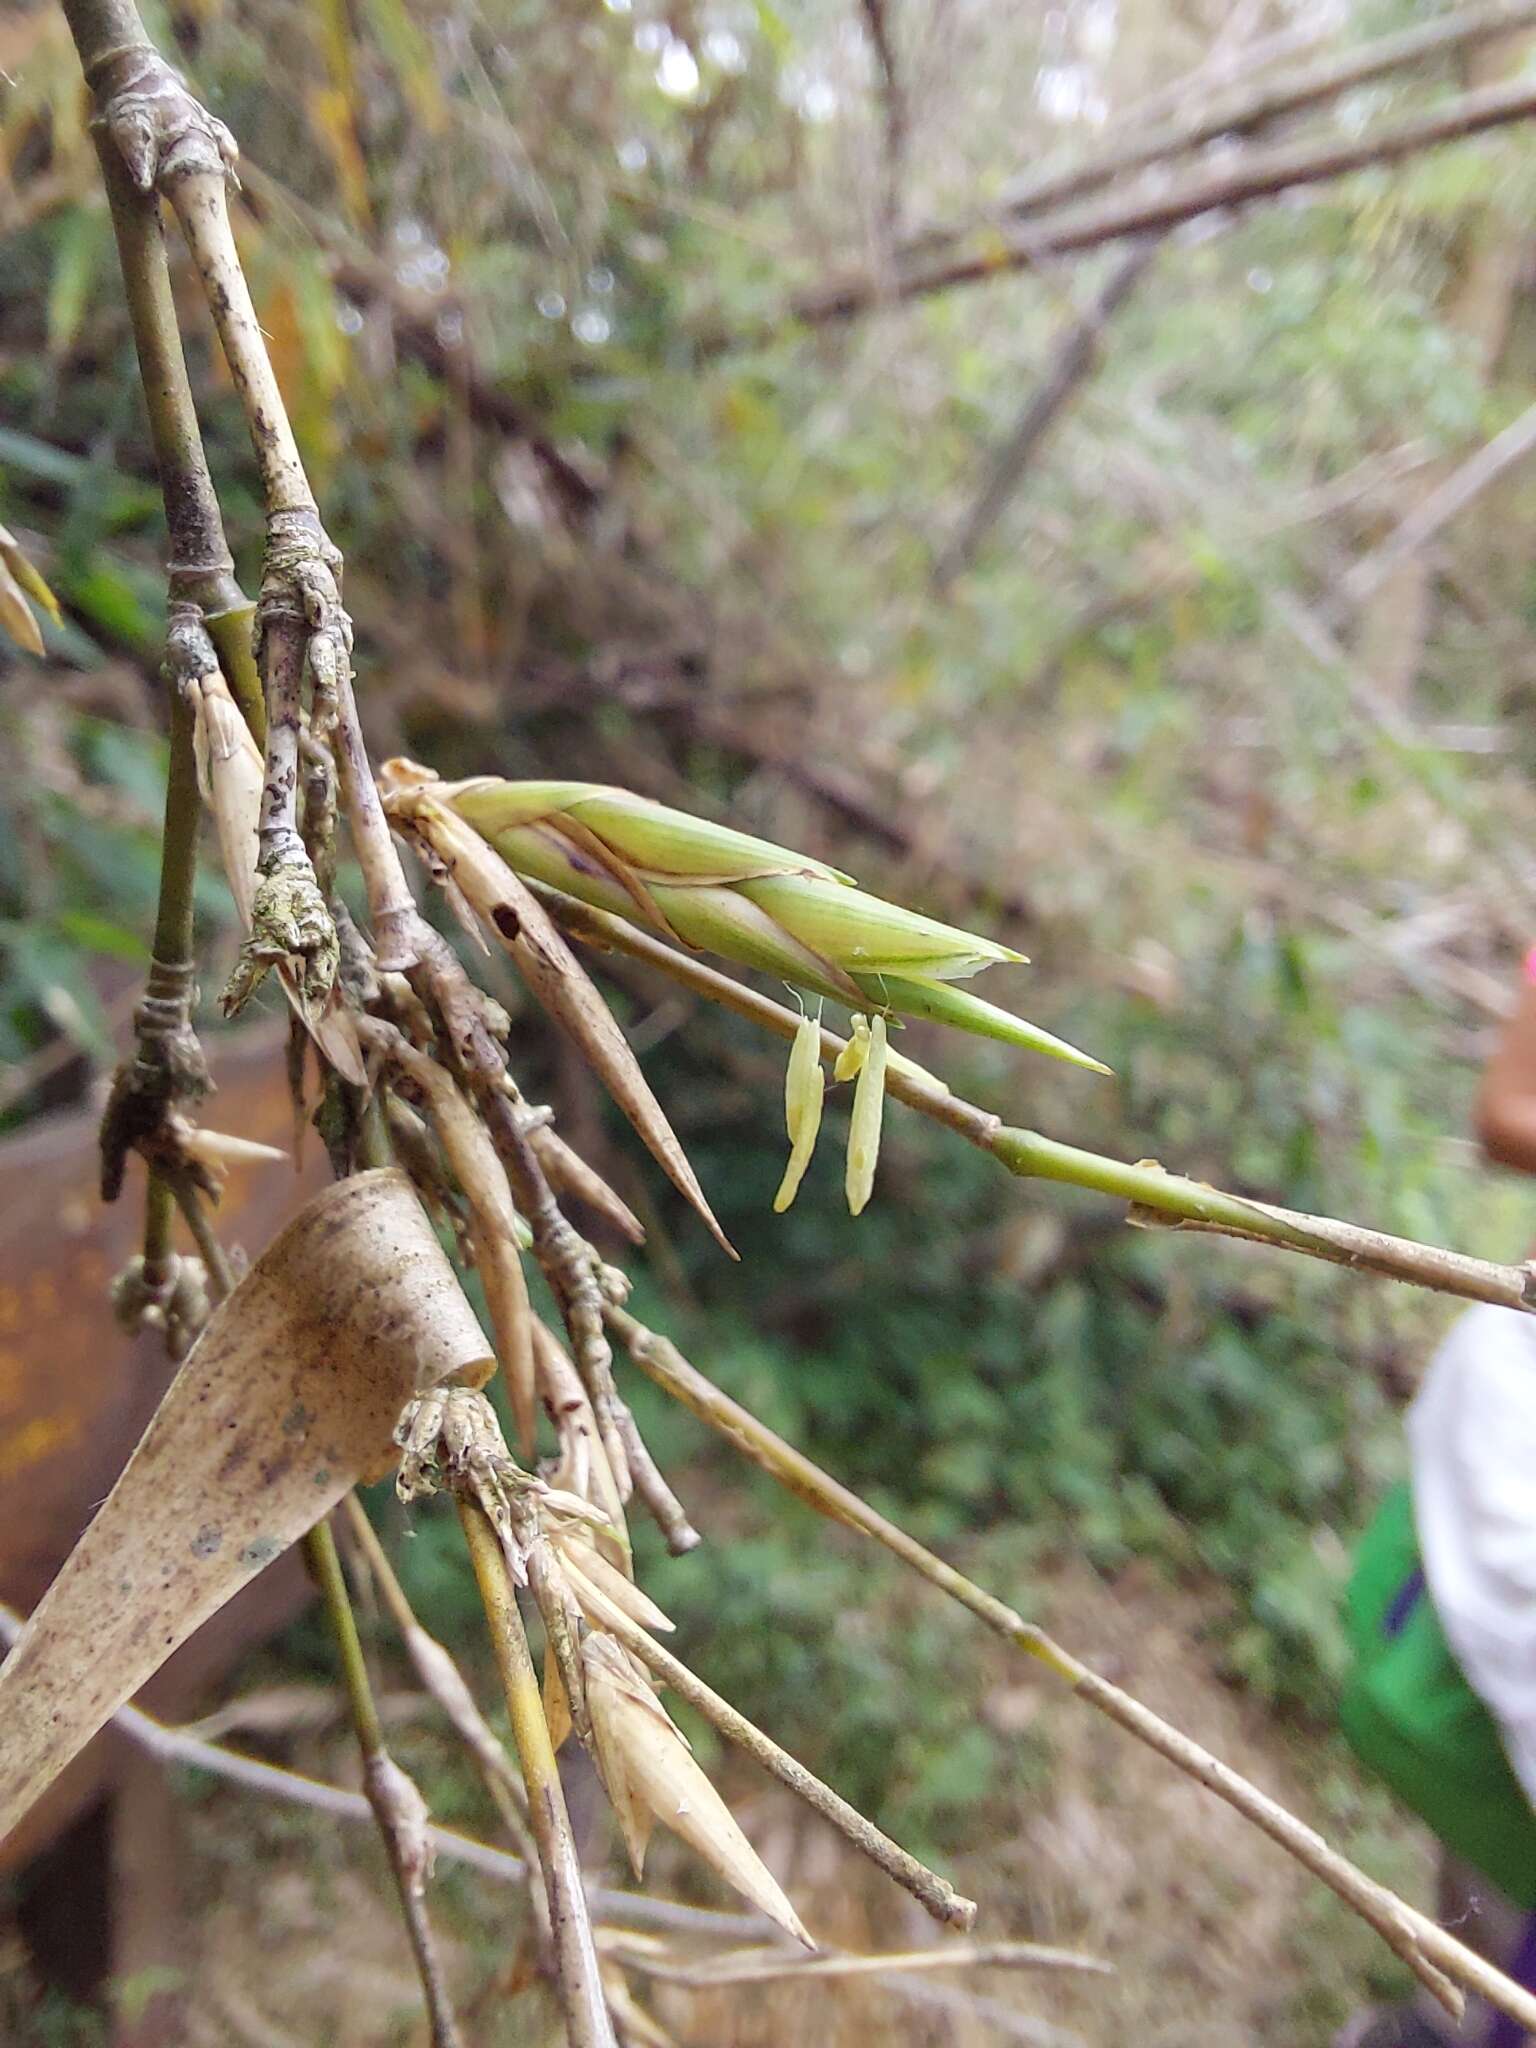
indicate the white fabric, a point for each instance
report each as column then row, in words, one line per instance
column 1472, row 1429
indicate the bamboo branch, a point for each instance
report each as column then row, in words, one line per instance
column 200, row 566
column 442, row 1678
column 1156, row 1198
column 1256, row 174
column 1075, row 358
column 1208, row 119
column 1439, row 507
column 1439, row 1961
column 584, row 2004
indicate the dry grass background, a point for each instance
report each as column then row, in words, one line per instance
column 1093, row 1842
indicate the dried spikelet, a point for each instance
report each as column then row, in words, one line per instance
column 805, row 1086
column 557, row 1705
column 650, row 1774
column 583, row 1467
column 20, row 582
column 495, row 1229
column 598, row 1584
column 230, row 775
column 864, row 1129
column 569, row 1174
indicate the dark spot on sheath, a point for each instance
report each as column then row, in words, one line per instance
column 273, row 1469
column 234, row 1458
column 207, row 1540
column 297, row 1419
column 506, row 920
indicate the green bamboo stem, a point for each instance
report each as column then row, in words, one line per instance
column 1437, row 1958
column 585, row 2007
column 216, row 1263
column 321, row 1556
column 201, row 567
column 446, row 1683
column 1157, row 1198
column 398, row 1807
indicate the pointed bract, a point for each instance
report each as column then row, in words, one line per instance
column 641, row 1748
column 941, row 1003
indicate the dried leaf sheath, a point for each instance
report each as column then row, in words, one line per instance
column 231, row 776
column 493, row 1230
column 287, row 1399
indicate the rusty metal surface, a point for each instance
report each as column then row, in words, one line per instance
column 75, row 1393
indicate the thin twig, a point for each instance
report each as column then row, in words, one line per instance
column 585, row 2007
column 759, row 1968
column 893, row 101
column 1436, row 1957
column 181, row 1747
column 1074, row 359
column 1439, row 507
column 221, row 1272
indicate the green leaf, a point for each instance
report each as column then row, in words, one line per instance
column 100, row 935
column 48, row 967
column 81, row 245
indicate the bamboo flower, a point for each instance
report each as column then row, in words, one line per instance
column 864, row 1129
column 804, row 1088
column 717, row 890
column 850, row 1061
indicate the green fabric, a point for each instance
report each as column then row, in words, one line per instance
column 1411, row 1715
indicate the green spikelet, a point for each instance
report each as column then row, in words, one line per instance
column 717, row 890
